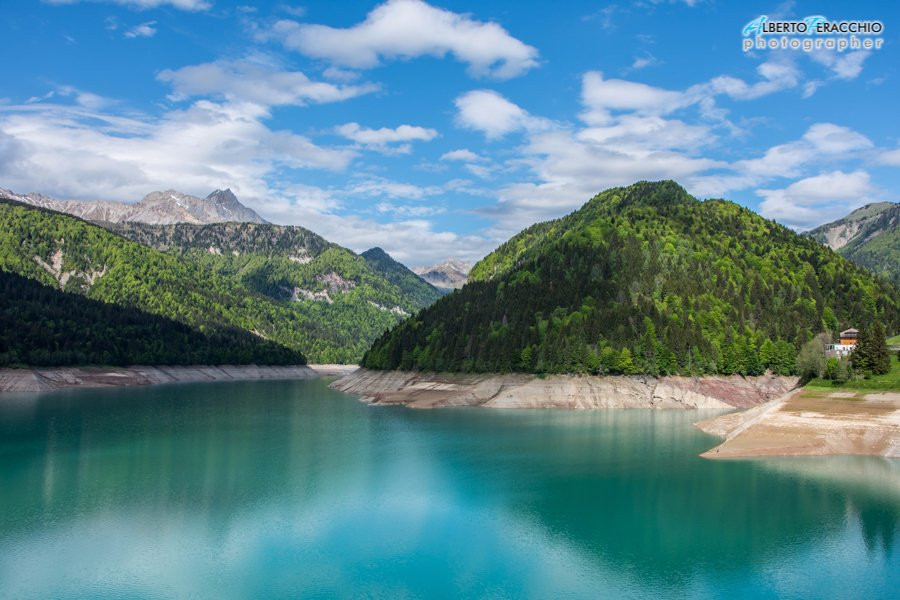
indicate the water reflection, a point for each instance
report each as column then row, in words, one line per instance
column 287, row 488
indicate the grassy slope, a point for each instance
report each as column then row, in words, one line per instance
column 888, row 381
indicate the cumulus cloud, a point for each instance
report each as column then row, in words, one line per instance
column 816, row 200
column 145, row 30
column 822, row 143
column 380, row 187
column 844, row 65
column 188, row 5
column 642, row 62
column 75, row 152
column 381, row 139
column 492, row 114
column 889, row 157
column 463, row 154
column 254, row 79
column 404, row 29
column 601, row 95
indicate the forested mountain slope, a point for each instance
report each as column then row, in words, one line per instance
column 43, row 326
column 283, row 284
column 413, row 286
column 643, row 279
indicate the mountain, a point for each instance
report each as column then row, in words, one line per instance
column 284, row 284
column 155, row 208
column 450, row 274
column 422, row 292
column 44, row 326
column 642, row 279
column 869, row 236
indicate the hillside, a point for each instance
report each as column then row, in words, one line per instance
column 869, row 236
column 156, row 208
column 643, row 279
column 415, row 288
column 43, row 326
column 286, row 285
column 295, row 265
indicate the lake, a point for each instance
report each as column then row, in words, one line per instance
column 288, row 489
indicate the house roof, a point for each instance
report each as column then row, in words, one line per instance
column 849, row 331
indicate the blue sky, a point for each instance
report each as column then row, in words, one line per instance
column 441, row 129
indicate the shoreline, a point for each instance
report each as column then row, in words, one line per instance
column 508, row 391
column 42, row 379
column 808, row 422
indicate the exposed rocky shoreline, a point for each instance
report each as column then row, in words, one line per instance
column 811, row 423
column 54, row 378
column 437, row 390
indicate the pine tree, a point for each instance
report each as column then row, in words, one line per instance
column 862, row 354
column 879, row 358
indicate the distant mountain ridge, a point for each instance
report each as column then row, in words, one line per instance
column 156, row 208
column 869, row 236
column 450, row 274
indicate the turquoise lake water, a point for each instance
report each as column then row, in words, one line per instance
column 291, row 490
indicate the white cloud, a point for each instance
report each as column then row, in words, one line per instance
column 844, row 65
column 602, row 95
column 480, row 171
column 632, row 132
column 816, row 200
column 145, row 30
column 73, row 152
column 408, row 210
column 252, row 79
column 492, row 114
column 776, row 75
column 380, row 187
column 642, row 62
column 380, row 139
column 403, row 29
column 338, row 74
column 822, row 141
column 462, row 154
column 889, row 157
column 189, row 5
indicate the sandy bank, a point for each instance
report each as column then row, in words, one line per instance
column 434, row 390
column 53, row 378
column 811, row 423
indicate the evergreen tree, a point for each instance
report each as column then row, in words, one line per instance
column 879, row 357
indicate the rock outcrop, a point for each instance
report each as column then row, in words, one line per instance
column 436, row 390
column 53, row 378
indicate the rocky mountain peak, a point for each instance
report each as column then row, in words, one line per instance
column 451, row 273
column 165, row 207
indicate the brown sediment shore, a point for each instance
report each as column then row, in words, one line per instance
column 811, row 423
column 437, row 390
column 53, row 378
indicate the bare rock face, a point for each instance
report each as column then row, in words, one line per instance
column 156, row 208
column 435, row 390
column 867, row 221
column 54, row 378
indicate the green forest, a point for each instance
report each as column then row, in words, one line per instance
column 213, row 278
column 642, row 280
column 43, row 326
